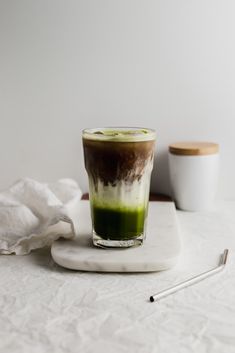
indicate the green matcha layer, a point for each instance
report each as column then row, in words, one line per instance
column 118, row 224
column 119, row 134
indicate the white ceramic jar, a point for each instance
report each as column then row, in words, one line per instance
column 194, row 168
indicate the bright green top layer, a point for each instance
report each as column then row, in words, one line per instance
column 119, row 134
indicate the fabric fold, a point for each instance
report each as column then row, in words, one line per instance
column 34, row 214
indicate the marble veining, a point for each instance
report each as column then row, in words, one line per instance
column 160, row 250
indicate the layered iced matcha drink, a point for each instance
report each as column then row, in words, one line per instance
column 119, row 163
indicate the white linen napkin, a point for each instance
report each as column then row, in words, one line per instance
column 34, row 214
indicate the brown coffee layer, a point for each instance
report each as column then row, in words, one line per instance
column 110, row 162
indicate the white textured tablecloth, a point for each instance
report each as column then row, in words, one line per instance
column 45, row 308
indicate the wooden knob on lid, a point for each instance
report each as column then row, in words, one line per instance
column 193, row 148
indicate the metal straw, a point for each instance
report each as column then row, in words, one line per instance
column 189, row 282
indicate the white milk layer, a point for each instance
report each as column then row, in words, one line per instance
column 124, row 194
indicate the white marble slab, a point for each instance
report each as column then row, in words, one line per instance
column 160, row 250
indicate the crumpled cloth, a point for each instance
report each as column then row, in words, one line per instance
column 33, row 214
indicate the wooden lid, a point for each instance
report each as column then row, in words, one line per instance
column 193, row 148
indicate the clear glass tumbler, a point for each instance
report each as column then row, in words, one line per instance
column 119, row 163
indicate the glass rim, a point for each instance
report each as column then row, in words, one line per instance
column 138, row 134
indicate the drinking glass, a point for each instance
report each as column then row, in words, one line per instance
column 119, row 163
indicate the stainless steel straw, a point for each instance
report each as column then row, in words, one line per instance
column 190, row 281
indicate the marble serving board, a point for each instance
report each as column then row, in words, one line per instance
column 160, row 250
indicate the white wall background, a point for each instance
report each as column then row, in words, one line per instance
column 70, row 64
